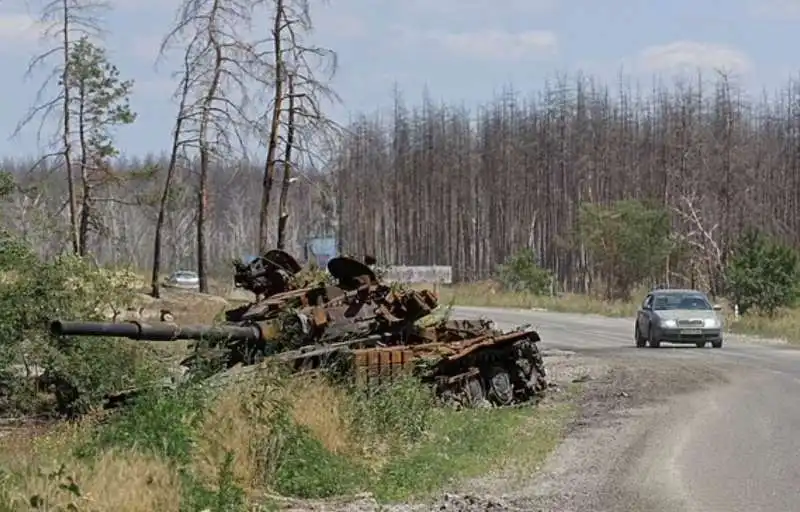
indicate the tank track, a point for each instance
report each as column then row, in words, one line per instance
column 497, row 377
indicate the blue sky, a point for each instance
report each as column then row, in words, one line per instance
column 462, row 50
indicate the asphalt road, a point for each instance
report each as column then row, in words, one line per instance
column 733, row 447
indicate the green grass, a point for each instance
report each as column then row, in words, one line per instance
column 467, row 444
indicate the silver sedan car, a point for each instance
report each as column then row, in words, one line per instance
column 678, row 316
column 186, row 279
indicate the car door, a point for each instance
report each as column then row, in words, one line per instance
column 644, row 315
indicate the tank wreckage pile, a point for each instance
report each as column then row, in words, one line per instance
column 358, row 327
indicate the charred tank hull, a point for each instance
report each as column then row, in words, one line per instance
column 359, row 328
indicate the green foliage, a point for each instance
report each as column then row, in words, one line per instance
column 398, row 414
column 225, row 497
column 763, row 274
column 307, row 469
column 522, row 273
column 161, row 422
column 7, row 184
column 462, row 445
column 34, row 292
column 629, row 240
column 101, row 99
column 402, row 409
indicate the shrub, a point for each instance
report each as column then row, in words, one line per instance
column 33, row 293
column 628, row 240
column 522, row 273
column 762, row 274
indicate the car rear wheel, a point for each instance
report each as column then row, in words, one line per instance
column 700, row 344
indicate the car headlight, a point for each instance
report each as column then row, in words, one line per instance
column 711, row 323
column 669, row 324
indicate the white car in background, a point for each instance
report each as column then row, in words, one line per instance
column 187, row 279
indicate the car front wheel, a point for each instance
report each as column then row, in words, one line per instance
column 716, row 344
column 651, row 340
column 640, row 340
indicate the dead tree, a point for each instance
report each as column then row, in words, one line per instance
column 702, row 238
column 302, row 73
column 220, row 63
column 64, row 22
column 177, row 144
column 287, row 167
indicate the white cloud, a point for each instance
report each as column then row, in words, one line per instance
column 494, row 44
column 18, row 28
column 692, row 55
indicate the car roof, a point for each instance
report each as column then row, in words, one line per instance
column 184, row 273
column 677, row 291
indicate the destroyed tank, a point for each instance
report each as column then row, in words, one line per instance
column 365, row 329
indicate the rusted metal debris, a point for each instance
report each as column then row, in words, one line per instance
column 365, row 329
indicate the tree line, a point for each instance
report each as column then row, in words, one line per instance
column 431, row 184
column 439, row 184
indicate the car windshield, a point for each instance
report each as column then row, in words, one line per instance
column 184, row 275
column 680, row 301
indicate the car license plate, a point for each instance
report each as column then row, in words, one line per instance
column 691, row 331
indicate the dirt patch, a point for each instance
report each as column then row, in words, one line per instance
column 644, row 383
column 182, row 306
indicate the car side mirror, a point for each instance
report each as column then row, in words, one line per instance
column 716, row 307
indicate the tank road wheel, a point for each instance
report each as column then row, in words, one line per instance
column 498, row 383
column 474, row 393
column 530, row 371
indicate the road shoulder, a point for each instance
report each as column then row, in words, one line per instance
column 624, row 406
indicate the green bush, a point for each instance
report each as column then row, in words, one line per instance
column 522, row 273
column 629, row 241
column 34, row 292
column 763, row 274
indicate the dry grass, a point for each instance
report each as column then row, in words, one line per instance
column 321, row 409
column 785, row 325
column 237, row 437
column 43, row 466
column 490, row 294
column 187, row 307
column 132, row 480
column 119, row 480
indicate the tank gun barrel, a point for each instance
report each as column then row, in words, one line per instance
column 157, row 331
